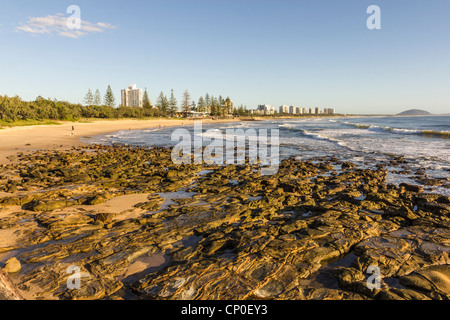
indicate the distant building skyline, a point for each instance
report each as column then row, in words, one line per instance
column 265, row 109
column 284, row 109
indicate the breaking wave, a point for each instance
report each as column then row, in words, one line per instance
column 425, row 133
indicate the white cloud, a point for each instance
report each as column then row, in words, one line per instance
column 57, row 24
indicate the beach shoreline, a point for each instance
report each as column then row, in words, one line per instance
column 59, row 137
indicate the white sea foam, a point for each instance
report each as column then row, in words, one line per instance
column 366, row 141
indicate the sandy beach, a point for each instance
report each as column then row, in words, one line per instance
column 59, row 137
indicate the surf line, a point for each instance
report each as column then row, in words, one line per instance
column 228, row 148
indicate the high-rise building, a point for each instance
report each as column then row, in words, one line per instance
column 266, row 109
column 328, row 111
column 317, row 110
column 284, row 109
column 132, row 96
column 298, row 110
column 292, row 109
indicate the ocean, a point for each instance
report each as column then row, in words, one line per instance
column 423, row 141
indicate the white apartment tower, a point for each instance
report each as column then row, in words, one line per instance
column 284, row 109
column 132, row 96
column 292, row 109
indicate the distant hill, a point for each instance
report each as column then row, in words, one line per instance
column 414, row 112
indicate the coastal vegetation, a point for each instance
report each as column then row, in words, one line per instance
column 16, row 111
column 23, row 123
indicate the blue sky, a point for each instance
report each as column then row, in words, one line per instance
column 303, row 52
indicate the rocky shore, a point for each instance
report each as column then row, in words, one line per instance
column 139, row 227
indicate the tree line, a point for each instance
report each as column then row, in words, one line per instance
column 94, row 99
column 15, row 108
column 205, row 104
column 168, row 106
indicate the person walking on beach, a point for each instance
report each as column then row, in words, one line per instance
column 73, row 130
